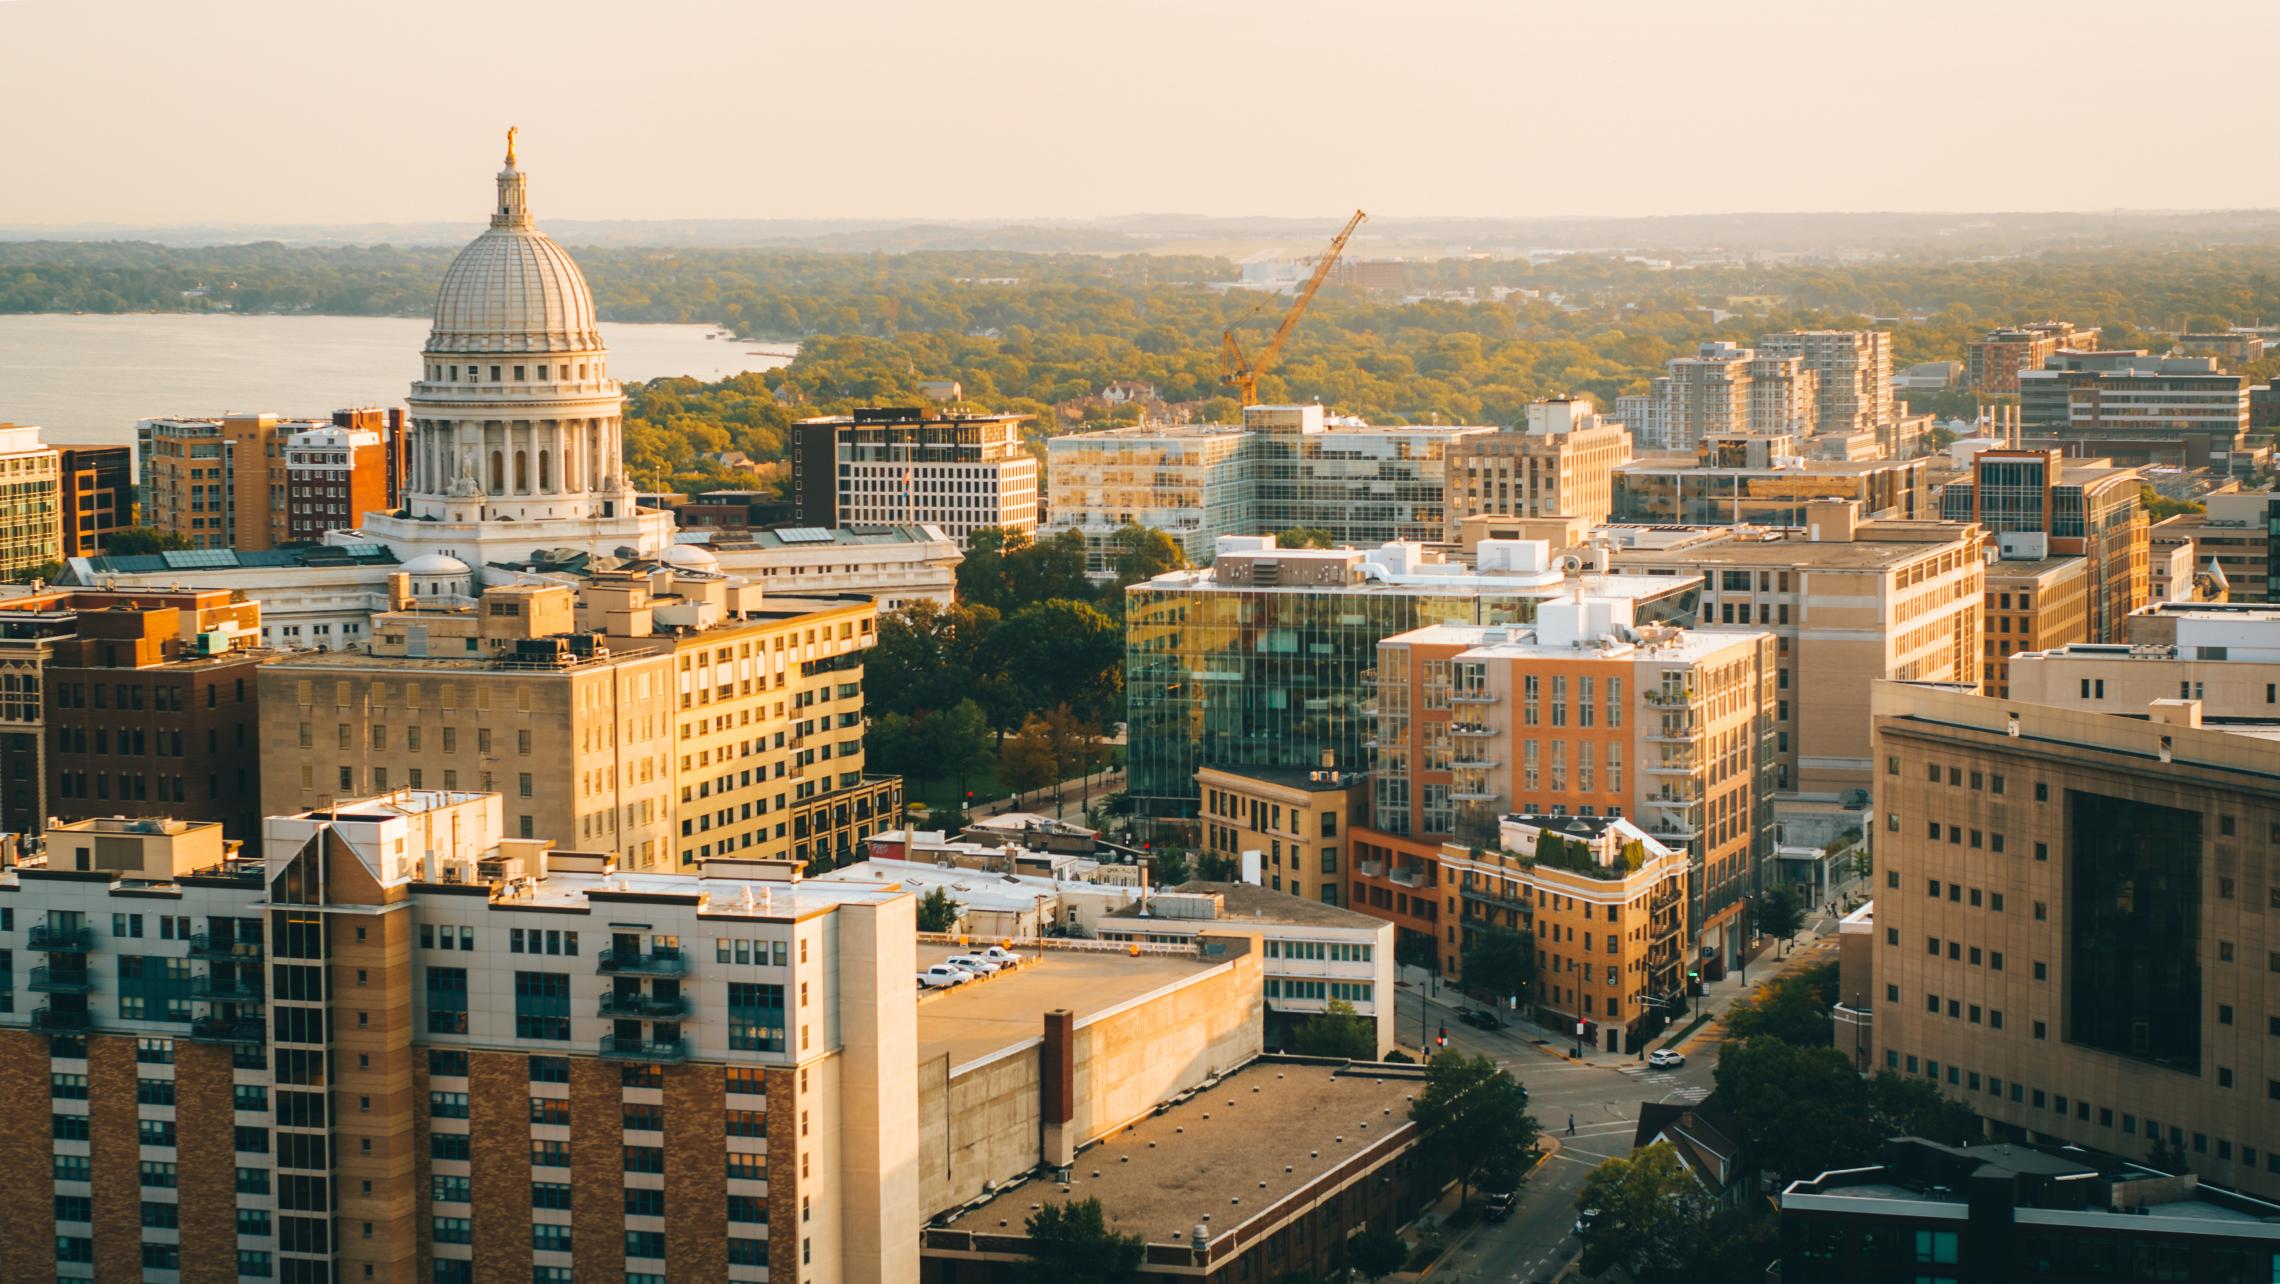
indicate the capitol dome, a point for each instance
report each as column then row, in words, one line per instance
column 689, row 557
column 513, row 289
column 435, row 564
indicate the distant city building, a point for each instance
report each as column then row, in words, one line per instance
column 960, row 472
column 320, row 596
column 731, row 510
column 1835, row 595
column 2237, row 535
column 333, row 476
column 395, row 433
column 2085, row 507
column 1761, row 480
column 1724, row 389
column 1562, row 463
column 1928, row 376
column 31, row 502
column 2014, row 1211
column 2230, row 348
column 130, row 704
column 218, row 483
column 1590, row 713
column 1259, row 659
column 1194, row 482
column 893, row 565
column 2139, row 409
column 1993, row 362
column 1852, row 375
column 1363, row 484
column 2071, row 910
column 97, row 495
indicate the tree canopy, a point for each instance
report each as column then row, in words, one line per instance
column 1473, row 1115
column 1071, row 1243
column 1654, row 1220
column 1337, row 1031
column 1793, row 1009
column 1500, row 962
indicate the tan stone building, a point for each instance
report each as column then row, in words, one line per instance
column 1848, row 602
column 2073, row 930
column 2235, row 533
column 1562, row 464
column 1606, row 904
column 1296, row 821
column 2033, row 604
column 2225, row 656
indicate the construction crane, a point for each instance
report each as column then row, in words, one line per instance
column 1237, row 369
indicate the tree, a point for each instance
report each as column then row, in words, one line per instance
column 1376, row 1254
column 1473, row 1115
column 1169, row 868
column 1062, row 651
column 1305, row 537
column 1336, row 1031
column 1215, row 867
column 1501, row 962
column 1794, row 1009
column 1647, row 1215
column 957, row 741
column 1902, row 1107
column 1071, row 1243
column 132, row 541
column 937, row 912
column 1141, row 553
column 1026, row 761
column 930, row 656
column 1803, row 1110
column 1781, row 914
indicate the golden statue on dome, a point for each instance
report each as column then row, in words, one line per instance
column 511, row 144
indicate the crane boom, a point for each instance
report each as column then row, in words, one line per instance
column 1238, row 369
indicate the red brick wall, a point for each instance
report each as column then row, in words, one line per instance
column 117, row 1163
column 696, row 1176
column 27, row 1172
column 597, row 1170
column 498, row 1121
column 206, row 1144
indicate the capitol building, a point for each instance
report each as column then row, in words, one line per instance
column 516, row 440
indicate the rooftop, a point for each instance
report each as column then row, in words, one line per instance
column 984, row 1018
column 1769, row 546
column 1312, row 780
column 1519, row 642
column 2039, row 1179
column 974, row 889
column 1796, row 466
column 221, row 559
column 1249, row 902
column 789, row 536
column 1226, row 1154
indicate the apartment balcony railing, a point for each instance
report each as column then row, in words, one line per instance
column 1472, row 763
column 1467, row 730
column 637, row 963
column 643, row 1007
column 226, row 989
column 51, row 939
column 1662, row 699
column 1500, row 900
column 220, row 1029
column 46, row 1020
column 62, row 980
column 223, row 949
column 617, row 1049
column 1463, row 793
column 1474, row 697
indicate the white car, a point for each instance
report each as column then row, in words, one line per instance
column 942, row 976
column 974, row 963
column 1665, row 1059
column 1002, row 956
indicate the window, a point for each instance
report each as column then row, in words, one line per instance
column 542, row 1005
column 755, row 1017
column 644, row 1244
column 549, row 1237
column 447, row 1003
column 550, row 1194
column 550, row 1069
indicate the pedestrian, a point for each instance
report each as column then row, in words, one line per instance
column 1571, row 1126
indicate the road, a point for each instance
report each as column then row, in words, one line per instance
column 1602, row 1096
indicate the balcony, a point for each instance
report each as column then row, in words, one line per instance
column 62, row 980
column 224, row 949
column 616, row 962
column 1463, row 794
column 643, row 1007
column 1462, row 730
column 1468, row 763
column 68, row 939
column 226, row 989
column 616, row 1049
column 1673, row 767
column 1662, row 699
column 1498, row 899
column 46, row 1020
column 1474, row 697
column 215, row 1029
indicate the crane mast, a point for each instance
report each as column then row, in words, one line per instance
column 1238, row 369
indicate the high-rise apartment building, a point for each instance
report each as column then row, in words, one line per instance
column 2034, row 603
column 1259, row 660
column 1993, row 362
column 395, row 433
column 2071, row 922
column 2084, row 508
column 402, row 1042
column 664, row 718
column 2139, row 409
column 31, row 502
column 961, row 472
column 333, row 476
column 1194, row 482
column 1848, row 601
column 1853, row 375
column 1588, row 713
column 219, row 483
column 1561, row 464
column 1784, row 394
column 97, row 495
column 1363, row 484
column 130, row 703
column 1708, row 394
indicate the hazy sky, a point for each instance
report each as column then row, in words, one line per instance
column 177, row 111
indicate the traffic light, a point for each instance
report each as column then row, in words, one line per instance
column 1443, row 1041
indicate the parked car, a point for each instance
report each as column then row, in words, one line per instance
column 1586, row 1221
column 1480, row 1019
column 942, row 976
column 1002, row 956
column 973, row 963
column 1496, row 1205
column 1665, row 1059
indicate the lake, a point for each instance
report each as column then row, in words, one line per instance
column 87, row 379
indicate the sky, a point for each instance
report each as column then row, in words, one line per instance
column 166, row 112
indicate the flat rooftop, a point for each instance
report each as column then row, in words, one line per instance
column 1224, row 1155
column 1693, row 466
column 982, row 1018
column 1250, row 903
column 1782, row 550
column 1313, row 781
column 1459, row 582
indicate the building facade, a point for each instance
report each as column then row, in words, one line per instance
column 1287, row 827
column 894, row 566
column 957, row 471
column 1994, row 361
column 1562, row 464
column 1194, row 482
column 2139, row 409
column 1852, row 375
column 1363, row 484
column 2033, row 604
column 220, row 482
column 2239, row 534
column 31, row 502
column 2072, row 922
column 2226, row 657
column 1758, row 480
column 97, row 495
column 2087, row 509
column 333, row 476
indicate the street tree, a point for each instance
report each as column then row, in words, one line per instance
column 1904, row 1107
column 1473, row 1116
column 1026, row 759
column 1141, row 553
column 937, row 912
column 1336, row 1031
column 957, row 741
column 1781, row 914
column 1071, row 1243
column 1500, row 962
column 1803, row 1110
column 1377, row 1254
column 1793, row 1009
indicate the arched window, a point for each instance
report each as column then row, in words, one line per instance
column 498, row 473
column 522, row 471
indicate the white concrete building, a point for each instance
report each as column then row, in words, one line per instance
column 894, row 565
